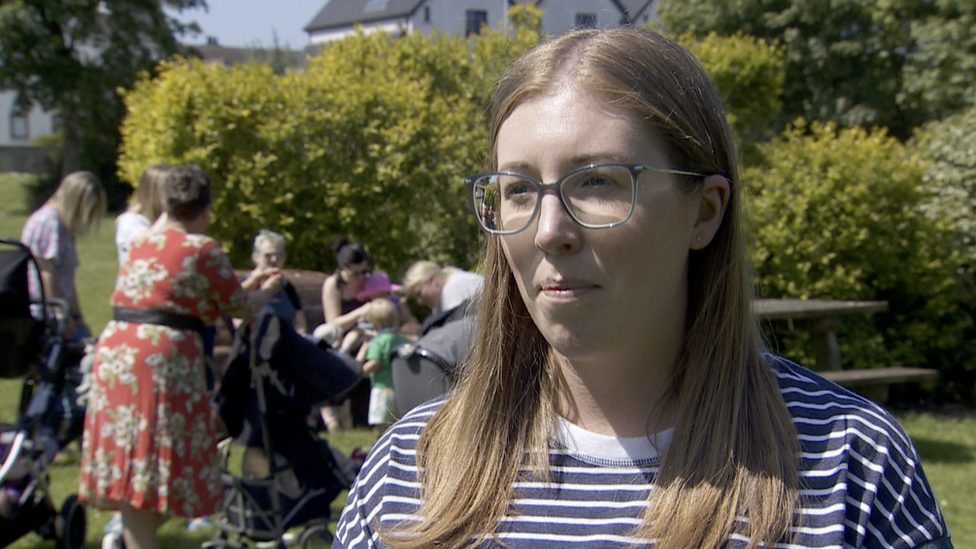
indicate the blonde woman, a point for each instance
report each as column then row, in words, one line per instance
column 76, row 207
column 441, row 288
column 144, row 208
column 618, row 393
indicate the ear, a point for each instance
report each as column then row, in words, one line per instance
column 713, row 201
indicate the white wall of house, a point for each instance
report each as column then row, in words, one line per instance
column 560, row 15
column 451, row 16
column 20, row 131
column 390, row 26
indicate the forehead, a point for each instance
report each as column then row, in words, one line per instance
column 571, row 127
column 270, row 245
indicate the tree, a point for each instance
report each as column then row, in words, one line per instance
column 71, row 56
column 854, row 62
column 950, row 185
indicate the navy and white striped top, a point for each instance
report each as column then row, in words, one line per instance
column 862, row 483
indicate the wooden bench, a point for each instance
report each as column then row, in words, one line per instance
column 820, row 318
column 873, row 383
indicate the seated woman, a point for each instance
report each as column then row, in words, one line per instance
column 269, row 253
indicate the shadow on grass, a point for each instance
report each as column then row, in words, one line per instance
column 940, row 451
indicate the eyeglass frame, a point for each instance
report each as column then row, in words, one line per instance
column 634, row 169
column 365, row 273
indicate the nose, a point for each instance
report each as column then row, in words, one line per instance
column 556, row 232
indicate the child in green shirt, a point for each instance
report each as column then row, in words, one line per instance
column 382, row 314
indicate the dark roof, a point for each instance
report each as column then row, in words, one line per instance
column 344, row 13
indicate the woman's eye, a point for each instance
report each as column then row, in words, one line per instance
column 597, row 181
column 518, row 189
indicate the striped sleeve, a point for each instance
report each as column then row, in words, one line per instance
column 860, row 473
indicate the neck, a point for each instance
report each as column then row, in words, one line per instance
column 617, row 395
column 177, row 225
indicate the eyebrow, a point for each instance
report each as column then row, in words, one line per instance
column 576, row 162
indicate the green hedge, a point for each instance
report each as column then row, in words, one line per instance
column 371, row 140
column 840, row 214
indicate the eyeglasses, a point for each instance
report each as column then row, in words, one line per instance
column 358, row 274
column 598, row 196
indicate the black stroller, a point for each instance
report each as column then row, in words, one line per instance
column 273, row 380
column 33, row 347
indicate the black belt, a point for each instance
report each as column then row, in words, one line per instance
column 162, row 318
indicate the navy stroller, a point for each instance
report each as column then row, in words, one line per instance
column 33, row 347
column 274, row 378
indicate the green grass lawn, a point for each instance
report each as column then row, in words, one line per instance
column 947, row 444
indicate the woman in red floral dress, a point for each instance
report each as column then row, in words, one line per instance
column 149, row 448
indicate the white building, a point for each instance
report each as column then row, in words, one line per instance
column 338, row 18
column 16, row 134
column 17, row 130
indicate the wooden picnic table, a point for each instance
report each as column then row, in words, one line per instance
column 821, row 318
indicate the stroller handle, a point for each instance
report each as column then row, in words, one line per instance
column 14, row 454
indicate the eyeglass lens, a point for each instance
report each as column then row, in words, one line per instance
column 597, row 196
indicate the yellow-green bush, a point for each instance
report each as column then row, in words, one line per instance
column 371, row 140
column 838, row 214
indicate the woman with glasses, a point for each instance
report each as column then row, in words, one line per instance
column 618, row 393
column 269, row 254
column 343, row 312
column 339, row 304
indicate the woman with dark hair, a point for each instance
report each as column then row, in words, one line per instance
column 339, row 304
column 149, row 447
column 618, row 393
column 343, row 311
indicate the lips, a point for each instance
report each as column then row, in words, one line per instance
column 564, row 290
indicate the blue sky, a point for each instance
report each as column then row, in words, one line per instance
column 254, row 22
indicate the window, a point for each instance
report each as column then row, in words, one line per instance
column 376, row 5
column 426, row 14
column 474, row 20
column 585, row 20
column 19, row 129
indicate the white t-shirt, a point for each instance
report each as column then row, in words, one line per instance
column 127, row 226
column 460, row 286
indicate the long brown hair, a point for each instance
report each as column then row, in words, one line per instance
column 734, row 451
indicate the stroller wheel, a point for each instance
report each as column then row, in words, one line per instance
column 71, row 524
column 315, row 537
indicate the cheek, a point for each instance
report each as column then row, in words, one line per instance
column 517, row 249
